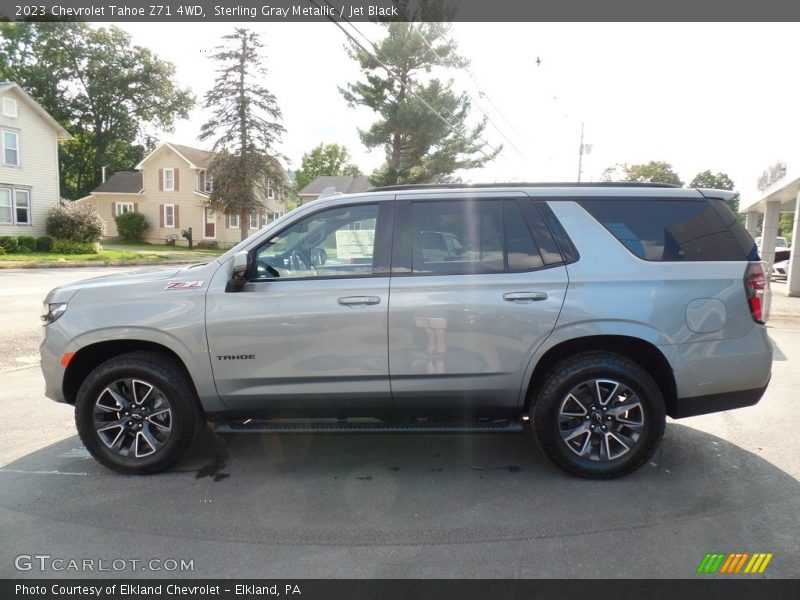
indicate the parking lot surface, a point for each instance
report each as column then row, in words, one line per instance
column 370, row 505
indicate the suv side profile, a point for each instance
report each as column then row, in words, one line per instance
column 592, row 310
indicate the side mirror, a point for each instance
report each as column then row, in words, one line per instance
column 237, row 274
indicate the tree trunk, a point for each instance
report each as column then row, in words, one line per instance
column 244, row 224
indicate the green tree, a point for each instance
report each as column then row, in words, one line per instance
column 110, row 95
column 720, row 181
column 419, row 145
column 246, row 126
column 324, row 159
column 654, row 171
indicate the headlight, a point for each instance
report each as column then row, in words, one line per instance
column 53, row 311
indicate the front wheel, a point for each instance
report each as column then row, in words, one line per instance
column 136, row 413
column 599, row 415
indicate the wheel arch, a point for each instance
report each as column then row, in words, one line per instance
column 644, row 353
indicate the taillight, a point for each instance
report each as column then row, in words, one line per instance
column 754, row 284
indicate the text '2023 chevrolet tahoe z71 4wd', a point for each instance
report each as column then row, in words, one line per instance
column 593, row 310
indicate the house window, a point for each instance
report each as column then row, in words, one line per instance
column 169, row 213
column 270, row 190
column 233, row 221
column 5, row 205
column 10, row 108
column 169, row 180
column 253, row 220
column 11, row 148
column 124, row 207
column 209, row 186
column 22, row 207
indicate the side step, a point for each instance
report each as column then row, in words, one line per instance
column 364, row 426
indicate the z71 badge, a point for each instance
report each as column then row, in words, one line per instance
column 183, row 285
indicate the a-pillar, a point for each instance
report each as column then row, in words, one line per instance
column 751, row 222
column 794, row 264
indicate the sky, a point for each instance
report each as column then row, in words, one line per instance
column 712, row 96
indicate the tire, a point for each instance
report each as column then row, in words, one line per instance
column 137, row 413
column 599, row 415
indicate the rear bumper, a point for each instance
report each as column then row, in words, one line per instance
column 702, row 405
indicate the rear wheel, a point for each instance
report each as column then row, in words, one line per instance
column 599, row 415
column 136, row 413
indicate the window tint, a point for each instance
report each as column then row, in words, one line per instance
column 523, row 255
column 667, row 230
column 457, row 236
column 338, row 242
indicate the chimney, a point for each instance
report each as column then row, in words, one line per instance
column 103, row 169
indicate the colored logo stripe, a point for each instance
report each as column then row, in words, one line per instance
column 734, row 562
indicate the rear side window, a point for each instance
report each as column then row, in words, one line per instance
column 668, row 230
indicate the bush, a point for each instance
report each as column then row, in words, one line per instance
column 2, row 251
column 9, row 244
column 24, row 250
column 61, row 246
column 131, row 226
column 44, row 244
column 78, row 222
column 27, row 241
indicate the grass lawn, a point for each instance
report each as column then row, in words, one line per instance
column 155, row 253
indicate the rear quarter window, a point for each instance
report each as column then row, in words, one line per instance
column 670, row 229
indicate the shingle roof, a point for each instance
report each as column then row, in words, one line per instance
column 123, row 182
column 344, row 184
column 199, row 158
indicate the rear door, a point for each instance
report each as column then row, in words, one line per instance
column 477, row 285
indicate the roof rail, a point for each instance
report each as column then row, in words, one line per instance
column 573, row 184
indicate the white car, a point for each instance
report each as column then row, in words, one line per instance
column 780, row 270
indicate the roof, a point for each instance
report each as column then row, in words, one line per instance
column 197, row 158
column 61, row 133
column 123, row 182
column 344, row 184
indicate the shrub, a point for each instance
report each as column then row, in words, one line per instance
column 131, row 226
column 62, row 246
column 44, row 244
column 9, row 243
column 27, row 241
column 78, row 222
column 24, row 250
column 2, row 251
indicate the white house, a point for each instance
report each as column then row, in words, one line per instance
column 29, row 184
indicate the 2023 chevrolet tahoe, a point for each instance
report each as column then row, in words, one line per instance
column 592, row 310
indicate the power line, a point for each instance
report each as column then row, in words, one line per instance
column 407, row 86
column 480, row 108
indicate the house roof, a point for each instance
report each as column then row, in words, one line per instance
column 197, row 158
column 61, row 133
column 344, row 184
column 123, row 182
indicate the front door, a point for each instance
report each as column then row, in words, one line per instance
column 308, row 334
column 209, row 223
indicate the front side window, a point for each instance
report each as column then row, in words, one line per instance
column 5, row 205
column 22, row 207
column 11, row 148
column 124, row 208
column 325, row 244
column 169, row 180
column 169, row 215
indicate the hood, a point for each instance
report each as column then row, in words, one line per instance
column 116, row 280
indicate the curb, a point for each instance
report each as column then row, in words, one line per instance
column 92, row 263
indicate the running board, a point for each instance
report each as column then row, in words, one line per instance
column 364, row 426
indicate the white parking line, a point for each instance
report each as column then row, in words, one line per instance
column 39, row 472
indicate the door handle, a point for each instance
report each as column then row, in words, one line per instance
column 358, row 300
column 524, row 297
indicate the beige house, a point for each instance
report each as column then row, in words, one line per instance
column 171, row 188
column 28, row 162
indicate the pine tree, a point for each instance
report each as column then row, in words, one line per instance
column 246, row 126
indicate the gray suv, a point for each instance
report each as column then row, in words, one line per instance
column 592, row 311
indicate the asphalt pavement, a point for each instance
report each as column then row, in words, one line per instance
column 337, row 505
